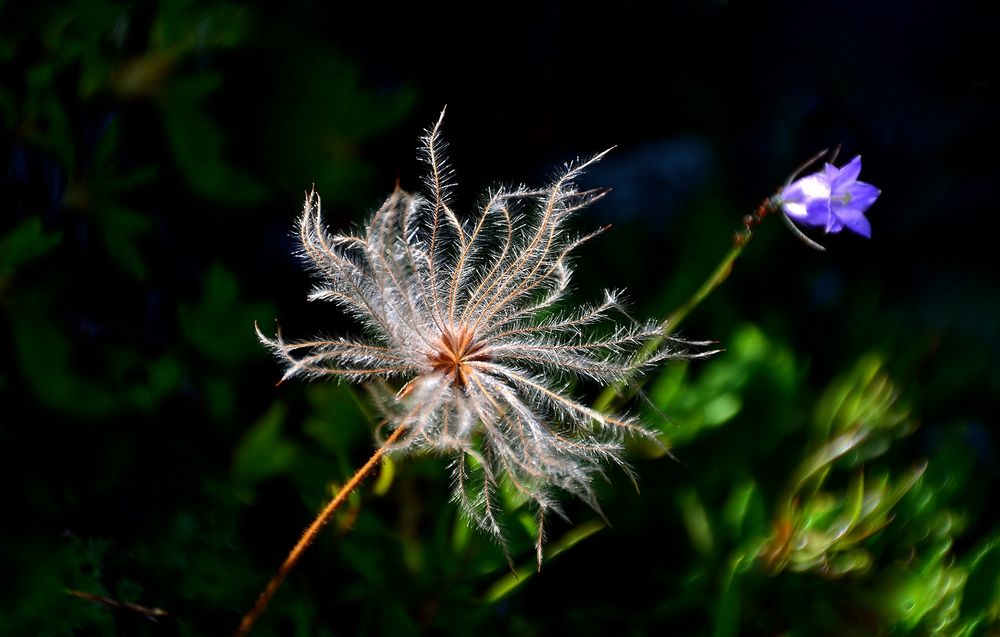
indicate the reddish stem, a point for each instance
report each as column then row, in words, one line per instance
column 310, row 535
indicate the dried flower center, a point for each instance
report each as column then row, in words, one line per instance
column 453, row 355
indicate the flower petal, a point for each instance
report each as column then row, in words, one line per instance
column 831, row 198
column 795, row 210
column 814, row 186
column 817, row 213
column 854, row 220
column 846, row 176
column 862, row 195
column 830, row 172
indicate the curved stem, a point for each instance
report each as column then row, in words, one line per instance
column 310, row 534
column 714, row 280
column 720, row 274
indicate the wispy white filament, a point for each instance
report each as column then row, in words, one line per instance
column 463, row 318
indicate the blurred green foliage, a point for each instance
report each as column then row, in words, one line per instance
column 150, row 461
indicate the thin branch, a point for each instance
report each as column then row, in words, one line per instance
column 310, row 534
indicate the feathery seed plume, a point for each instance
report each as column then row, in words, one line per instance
column 465, row 317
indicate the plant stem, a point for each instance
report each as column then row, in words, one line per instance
column 720, row 274
column 714, row 280
column 506, row 584
column 310, row 535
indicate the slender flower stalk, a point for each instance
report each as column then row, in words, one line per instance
column 841, row 190
column 310, row 535
column 832, row 198
column 717, row 277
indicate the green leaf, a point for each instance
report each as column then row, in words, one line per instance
column 721, row 409
column 982, row 588
column 188, row 25
column 50, row 129
column 878, row 510
column 727, row 611
column 853, row 506
column 198, row 144
column 118, row 228
column 864, row 399
column 220, row 325
column 94, row 72
column 511, row 581
column 264, row 452
column 163, row 377
column 387, row 471
column 317, row 135
column 744, row 511
column 45, row 357
column 667, row 385
column 25, row 243
column 107, row 144
column 719, row 392
column 846, row 562
column 220, row 397
column 338, row 422
column 696, row 521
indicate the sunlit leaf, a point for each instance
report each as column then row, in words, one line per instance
column 716, row 396
column 744, row 511
column 696, row 521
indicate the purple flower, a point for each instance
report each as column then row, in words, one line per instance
column 832, row 198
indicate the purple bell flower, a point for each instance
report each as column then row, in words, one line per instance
column 831, row 198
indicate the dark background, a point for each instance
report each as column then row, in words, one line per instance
column 155, row 158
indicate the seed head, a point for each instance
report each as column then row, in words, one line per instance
column 465, row 317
